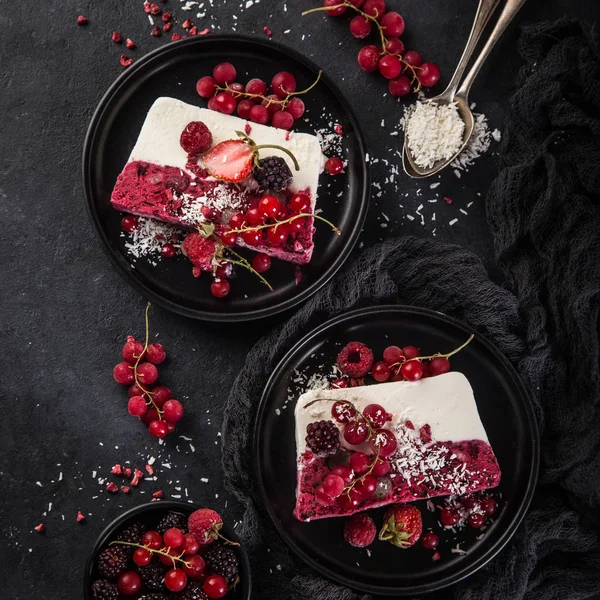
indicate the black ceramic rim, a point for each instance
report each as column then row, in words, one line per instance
column 470, row 567
column 163, row 505
column 120, row 87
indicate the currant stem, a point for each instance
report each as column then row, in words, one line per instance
column 335, row 229
column 137, row 362
column 438, row 355
column 153, row 551
column 350, row 487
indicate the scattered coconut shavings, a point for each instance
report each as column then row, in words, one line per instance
column 149, row 237
column 330, row 140
column 479, row 144
column 433, row 132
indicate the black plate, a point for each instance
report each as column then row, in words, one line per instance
column 506, row 413
column 173, row 71
column 148, row 514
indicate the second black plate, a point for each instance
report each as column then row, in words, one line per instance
column 173, row 71
column 505, row 411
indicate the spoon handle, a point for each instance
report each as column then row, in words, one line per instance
column 484, row 12
column 511, row 8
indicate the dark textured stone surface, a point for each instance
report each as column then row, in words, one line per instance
column 64, row 311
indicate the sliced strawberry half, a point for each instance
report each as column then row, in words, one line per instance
column 231, row 160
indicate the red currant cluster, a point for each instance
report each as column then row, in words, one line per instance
column 404, row 69
column 253, row 102
column 154, row 406
column 352, row 484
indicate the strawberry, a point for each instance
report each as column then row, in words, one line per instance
column 204, row 524
column 231, row 160
column 402, row 525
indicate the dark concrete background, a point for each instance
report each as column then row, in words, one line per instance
column 64, row 312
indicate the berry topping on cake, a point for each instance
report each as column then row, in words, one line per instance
column 222, row 560
column 196, row 138
column 323, row 438
column 273, row 174
column 355, row 360
column 204, row 524
column 402, row 525
column 231, row 160
column 360, row 530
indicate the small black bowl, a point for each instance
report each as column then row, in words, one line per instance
column 150, row 513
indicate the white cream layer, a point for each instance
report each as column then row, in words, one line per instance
column 158, row 141
column 445, row 402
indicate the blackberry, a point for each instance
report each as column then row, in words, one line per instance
column 273, row 174
column 154, row 597
column 222, row 560
column 171, row 520
column 112, row 562
column 132, row 534
column 194, row 591
column 323, row 438
column 152, row 576
column 104, row 590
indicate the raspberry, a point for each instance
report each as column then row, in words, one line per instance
column 204, row 524
column 172, row 521
column 104, row 590
column 323, row 438
column 222, row 561
column 273, row 174
column 355, row 360
column 360, row 530
column 152, row 576
column 196, row 138
column 112, row 562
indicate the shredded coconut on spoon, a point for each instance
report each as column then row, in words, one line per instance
column 433, row 132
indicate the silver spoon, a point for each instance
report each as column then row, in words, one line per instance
column 460, row 95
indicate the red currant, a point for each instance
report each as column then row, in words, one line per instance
column 269, row 206
column 381, row 371
column 190, row 544
column 261, row 263
column 129, row 223
column 401, row 86
column 343, row 412
column 142, row 557
column 194, row 566
column 333, row 485
column 343, row 471
column 468, row 502
column 357, row 3
column 297, row 225
column 278, row 234
column 430, row 540
column 168, row 250
column 132, row 350
column 212, row 105
column 394, row 45
column 137, row 406
column 381, row 468
column 252, row 237
column 147, row 373
column 412, row 58
column 368, row 58
column 123, row 373
column 167, row 560
column 152, row 539
column 160, row 395
column 410, row 352
column 272, row 103
column 322, row 497
column 173, row 411
column 390, row 66
column 449, row 517
column 351, row 500
column 392, row 24
column 151, row 415
column 256, row 86
column 359, row 462
column 360, row 27
column 135, row 390
column 224, row 73
column 366, row 486
column 356, row 433
column 300, row 203
column 339, row 9
column 296, row 108
column 237, row 220
column 238, row 88
column 229, row 238
column 244, row 108
column 384, row 443
column 225, row 103
column 220, row 288
column 376, row 415
column 173, row 538
column 283, row 84
column 155, row 353
column 439, row 365
column 429, row 75
column 282, row 120
column 334, row 165
column 130, row 583
column 476, row 520
column 215, row 586
column 175, row 580
column 393, row 355
column 158, row 429
column 489, row 505
column 206, row 87
column 412, row 370
column 259, row 114
column 374, row 8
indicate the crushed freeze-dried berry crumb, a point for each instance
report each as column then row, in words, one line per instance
column 81, row 20
column 166, row 16
column 125, row 489
column 125, row 60
column 112, row 488
column 116, row 37
column 447, row 200
column 130, row 44
column 267, row 31
column 156, row 31
column 80, row 516
column 167, row 27
column 175, row 37
column 116, row 470
column 149, row 470
column 158, row 494
column 127, row 472
column 40, row 528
